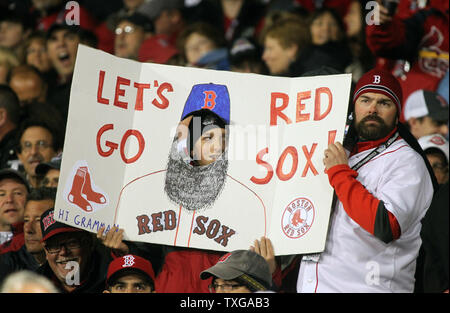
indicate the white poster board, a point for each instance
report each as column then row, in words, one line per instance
column 122, row 127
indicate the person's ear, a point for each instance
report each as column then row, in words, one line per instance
column 292, row 52
column 412, row 122
column 3, row 116
column 443, row 129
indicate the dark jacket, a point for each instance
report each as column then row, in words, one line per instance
column 59, row 96
column 8, row 149
column 432, row 264
column 333, row 54
column 248, row 22
column 14, row 261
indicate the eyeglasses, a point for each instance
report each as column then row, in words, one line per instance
column 55, row 247
column 127, row 30
column 40, row 145
column 214, row 287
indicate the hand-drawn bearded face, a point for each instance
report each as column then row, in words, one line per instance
column 197, row 165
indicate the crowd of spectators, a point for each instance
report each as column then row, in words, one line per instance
column 290, row 38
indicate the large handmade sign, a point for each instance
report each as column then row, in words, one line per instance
column 126, row 162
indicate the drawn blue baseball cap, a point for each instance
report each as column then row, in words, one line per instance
column 209, row 96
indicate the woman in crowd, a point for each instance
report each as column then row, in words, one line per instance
column 283, row 40
column 328, row 44
column 202, row 45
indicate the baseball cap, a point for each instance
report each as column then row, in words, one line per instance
column 138, row 19
column 426, row 103
column 436, row 141
column 129, row 263
column 156, row 49
column 210, row 96
column 242, row 264
column 154, row 8
column 43, row 168
column 243, row 48
column 16, row 175
column 380, row 81
column 50, row 227
column 75, row 29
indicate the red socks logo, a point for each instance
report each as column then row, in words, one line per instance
column 81, row 193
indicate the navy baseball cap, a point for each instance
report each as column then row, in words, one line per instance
column 75, row 29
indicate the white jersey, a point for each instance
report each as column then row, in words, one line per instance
column 212, row 228
column 355, row 260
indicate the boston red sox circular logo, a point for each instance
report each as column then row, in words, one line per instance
column 297, row 218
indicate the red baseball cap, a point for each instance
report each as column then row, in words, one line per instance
column 156, row 49
column 130, row 262
column 380, row 81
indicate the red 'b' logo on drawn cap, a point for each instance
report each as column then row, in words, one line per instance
column 210, row 99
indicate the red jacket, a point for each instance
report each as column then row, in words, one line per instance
column 181, row 271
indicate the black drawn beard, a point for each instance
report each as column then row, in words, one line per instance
column 194, row 187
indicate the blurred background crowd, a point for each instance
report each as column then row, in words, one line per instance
column 290, row 38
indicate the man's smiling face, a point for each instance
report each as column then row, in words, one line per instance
column 73, row 247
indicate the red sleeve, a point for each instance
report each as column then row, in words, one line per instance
column 181, row 270
column 383, row 39
column 17, row 240
column 361, row 206
column 14, row 244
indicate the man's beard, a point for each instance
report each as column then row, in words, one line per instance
column 373, row 132
column 194, row 187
